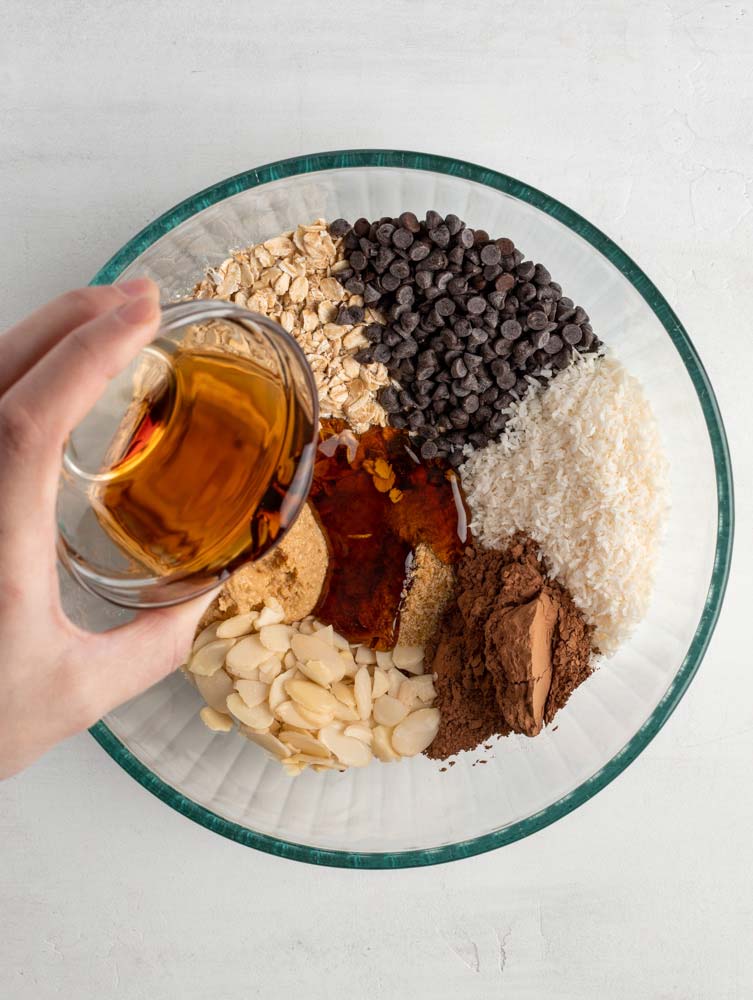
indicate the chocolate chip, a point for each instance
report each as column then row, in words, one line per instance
column 390, row 282
column 572, row 334
column 541, row 275
column 453, row 223
column 490, row 254
column 440, row 236
column 339, row 227
column 536, row 320
column 429, row 450
column 554, row 344
column 406, row 349
column 381, row 353
column 465, row 238
column 511, row 329
column 526, row 270
column 357, row 260
column 361, row 227
column 458, row 368
column 445, row 307
column 476, row 305
column 409, row 221
column 419, row 251
column 402, row 238
column 433, row 219
column 540, row 338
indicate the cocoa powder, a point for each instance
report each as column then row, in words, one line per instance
column 510, row 650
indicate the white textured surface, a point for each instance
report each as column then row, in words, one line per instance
column 639, row 116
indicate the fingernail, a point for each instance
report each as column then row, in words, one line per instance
column 137, row 311
column 136, row 287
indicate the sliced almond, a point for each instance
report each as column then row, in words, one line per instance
column 324, row 632
column 289, row 659
column 365, row 655
column 238, row 625
column 360, row 731
column 258, row 717
column 267, row 742
column 211, row 657
column 277, row 693
column 339, row 641
column 362, row 688
column 382, row 745
column 396, row 679
column 292, row 768
column 209, row 634
column 246, row 655
column 252, row 692
column 380, row 684
column 216, row 721
column 311, row 647
column 311, row 696
column 344, row 693
column 349, row 662
column 410, row 658
column 270, row 669
column 270, row 616
column 306, row 627
column 317, row 671
column 384, row 659
column 408, row 695
column 414, row 734
column 276, row 637
column 351, row 752
column 389, row 711
column 215, row 689
column 425, row 687
column 319, row 719
column 304, row 743
column 289, row 715
column 345, row 713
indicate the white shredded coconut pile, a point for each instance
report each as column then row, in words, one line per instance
column 581, row 470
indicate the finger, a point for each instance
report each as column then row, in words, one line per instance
column 129, row 659
column 38, row 412
column 24, row 344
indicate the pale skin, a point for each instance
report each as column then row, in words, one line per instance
column 57, row 679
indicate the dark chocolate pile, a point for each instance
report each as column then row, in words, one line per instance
column 471, row 324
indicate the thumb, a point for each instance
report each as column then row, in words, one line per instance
column 131, row 658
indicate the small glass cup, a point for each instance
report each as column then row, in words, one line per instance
column 88, row 550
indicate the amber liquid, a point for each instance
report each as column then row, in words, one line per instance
column 373, row 531
column 200, row 470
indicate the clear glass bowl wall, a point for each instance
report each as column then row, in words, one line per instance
column 389, row 816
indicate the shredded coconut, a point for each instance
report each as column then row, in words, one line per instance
column 581, row 470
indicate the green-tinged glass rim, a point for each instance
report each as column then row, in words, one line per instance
column 725, row 526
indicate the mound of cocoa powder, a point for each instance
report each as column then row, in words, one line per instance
column 510, row 650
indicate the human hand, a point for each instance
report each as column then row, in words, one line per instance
column 55, row 678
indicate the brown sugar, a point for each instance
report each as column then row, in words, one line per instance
column 510, row 650
column 294, row 573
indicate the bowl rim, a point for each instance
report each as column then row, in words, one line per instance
column 339, row 159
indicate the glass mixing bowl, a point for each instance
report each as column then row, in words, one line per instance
column 390, row 816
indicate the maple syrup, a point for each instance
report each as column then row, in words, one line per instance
column 375, row 510
column 200, row 474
